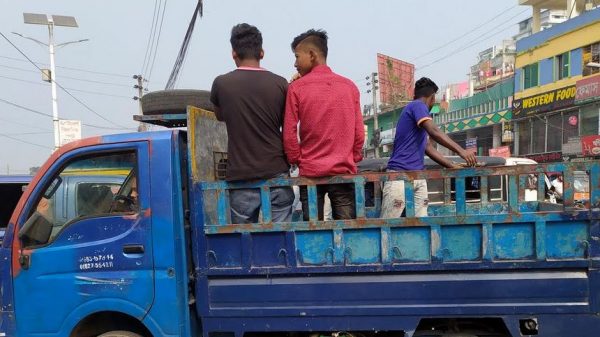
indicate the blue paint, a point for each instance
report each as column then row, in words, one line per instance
column 508, row 259
column 567, row 240
column 362, row 246
column 411, row 244
column 576, row 59
column 546, row 71
column 461, row 243
column 518, row 79
column 315, row 247
column 570, row 25
column 514, row 242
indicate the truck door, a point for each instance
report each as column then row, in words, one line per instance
column 85, row 248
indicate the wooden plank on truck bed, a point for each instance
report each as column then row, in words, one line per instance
column 207, row 145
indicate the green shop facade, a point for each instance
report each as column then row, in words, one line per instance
column 481, row 122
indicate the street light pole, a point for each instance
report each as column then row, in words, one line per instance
column 53, row 85
column 51, row 21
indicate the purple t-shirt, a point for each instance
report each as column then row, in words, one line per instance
column 411, row 139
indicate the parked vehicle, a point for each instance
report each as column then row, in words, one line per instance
column 11, row 189
column 163, row 258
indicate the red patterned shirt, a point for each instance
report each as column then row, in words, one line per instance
column 330, row 128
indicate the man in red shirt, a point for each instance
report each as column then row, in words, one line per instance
column 323, row 110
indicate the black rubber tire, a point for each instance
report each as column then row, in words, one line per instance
column 175, row 101
column 120, row 333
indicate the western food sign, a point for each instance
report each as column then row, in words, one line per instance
column 544, row 102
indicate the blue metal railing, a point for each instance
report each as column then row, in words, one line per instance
column 458, row 211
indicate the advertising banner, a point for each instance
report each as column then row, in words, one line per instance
column 588, row 89
column 501, row 151
column 590, row 145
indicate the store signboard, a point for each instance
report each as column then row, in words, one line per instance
column 587, row 89
column 572, row 146
column 471, row 143
column 501, row 151
column 590, row 145
column 546, row 157
column 545, row 102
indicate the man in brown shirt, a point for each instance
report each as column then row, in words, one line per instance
column 251, row 102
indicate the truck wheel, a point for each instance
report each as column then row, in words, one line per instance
column 120, row 334
column 175, row 101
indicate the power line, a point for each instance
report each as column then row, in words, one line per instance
column 157, row 41
column 60, row 86
column 23, row 124
column 473, row 42
column 179, row 62
column 150, row 38
column 24, row 141
column 467, row 33
column 68, row 77
column 99, row 93
column 69, row 68
column 49, row 115
column 72, row 89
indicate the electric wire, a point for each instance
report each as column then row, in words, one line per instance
column 478, row 39
column 67, row 77
column 150, row 38
column 24, row 141
column 70, row 68
column 180, row 61
column 467, row 33
column 60, row 86
column 37, row 112
column 149, row 75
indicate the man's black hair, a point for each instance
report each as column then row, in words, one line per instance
column 318, row 38
column 246, row 41
column 425, row 87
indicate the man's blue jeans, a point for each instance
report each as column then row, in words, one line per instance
column 245, row 204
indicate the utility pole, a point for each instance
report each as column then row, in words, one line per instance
column 140, row 87
column 51, row 21
column 374, row 88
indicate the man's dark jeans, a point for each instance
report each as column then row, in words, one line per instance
column 245, row 203
column 341, row 197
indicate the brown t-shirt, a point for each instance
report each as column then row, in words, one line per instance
column 251, row 102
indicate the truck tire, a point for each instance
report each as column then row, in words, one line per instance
column 120, row 333
column 175, row 101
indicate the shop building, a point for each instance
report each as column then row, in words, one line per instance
column 556, row 101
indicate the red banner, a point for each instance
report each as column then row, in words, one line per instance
column 588, row 88
column 590, row 145
column 502, row 151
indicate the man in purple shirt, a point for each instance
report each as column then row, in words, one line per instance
column 411, row 143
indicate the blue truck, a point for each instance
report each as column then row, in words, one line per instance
column 158, row 256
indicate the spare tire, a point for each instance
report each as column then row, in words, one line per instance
column 175, row 101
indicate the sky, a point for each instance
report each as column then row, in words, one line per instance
column 442, row 38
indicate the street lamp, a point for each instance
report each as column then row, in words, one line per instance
column 51, row 21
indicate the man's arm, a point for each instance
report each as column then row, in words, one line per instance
column 443, row 139
column 214, row 99
column 439, row 158
column 359, row 128
column 290, row 128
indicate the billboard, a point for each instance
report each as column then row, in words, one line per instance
column 396, row 80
